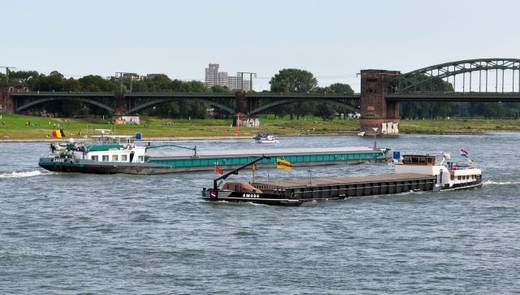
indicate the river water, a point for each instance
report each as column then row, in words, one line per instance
column 125, row 234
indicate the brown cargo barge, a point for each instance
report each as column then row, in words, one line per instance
column 297, row 191
column 414, row 173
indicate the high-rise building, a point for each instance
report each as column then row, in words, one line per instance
column 223, row 79
column 215, row 78
column 237, row 83
column 211, row 78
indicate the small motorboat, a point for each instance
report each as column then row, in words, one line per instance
column 265, row 138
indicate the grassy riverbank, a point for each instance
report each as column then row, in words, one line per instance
column 27, row 127
column 458, row 126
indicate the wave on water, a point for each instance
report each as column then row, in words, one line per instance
column 22, row 174
column 492, row 182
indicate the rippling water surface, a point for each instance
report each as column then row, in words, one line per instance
column 121, row 234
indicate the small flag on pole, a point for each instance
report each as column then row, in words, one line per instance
column 58, row 133
column 463, row 152
column 219, row 169
column 283, row 164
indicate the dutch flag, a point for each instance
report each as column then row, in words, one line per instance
column 464, row 153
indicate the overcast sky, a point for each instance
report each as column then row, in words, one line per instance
column 331, row 39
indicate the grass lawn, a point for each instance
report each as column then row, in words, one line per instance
column 458, row 126
column 28, row 127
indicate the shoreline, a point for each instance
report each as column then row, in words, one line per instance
column 201, row 138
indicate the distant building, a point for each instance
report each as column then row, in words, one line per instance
column 211, row 78
column 153, row 76
column 215, row 78
column 223, row 79
column 237, row 83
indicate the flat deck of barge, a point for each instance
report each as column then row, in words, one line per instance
column 335, row 181
column 227, row 159
column 294, row 192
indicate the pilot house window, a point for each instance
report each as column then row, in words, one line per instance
column 105, row 158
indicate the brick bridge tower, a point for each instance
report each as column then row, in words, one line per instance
column 243, row 105
column 376, row 112
column 7, row 103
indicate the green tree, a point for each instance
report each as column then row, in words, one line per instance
column 339, row 88
column 97, row 83
column 22, row 76
column 324, row 111
column 293, row 81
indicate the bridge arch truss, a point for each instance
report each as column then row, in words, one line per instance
column 483, row 75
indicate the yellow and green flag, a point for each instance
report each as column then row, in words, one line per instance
column 283, row 164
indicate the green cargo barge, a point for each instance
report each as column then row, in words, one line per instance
column 102, row 162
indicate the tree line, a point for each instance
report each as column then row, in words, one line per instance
column 285, row 81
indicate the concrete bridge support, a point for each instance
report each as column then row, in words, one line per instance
column 376, row 112
column 7, row 103
column 243, row 106
column 121, row 106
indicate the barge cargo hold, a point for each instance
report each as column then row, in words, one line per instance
column 295, row 192
column 114, row 160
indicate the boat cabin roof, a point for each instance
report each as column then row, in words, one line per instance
column 423, row 160
column 103, row 147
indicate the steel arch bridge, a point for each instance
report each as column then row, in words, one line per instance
column 160, row 101
column 484, row 75
column 270, row 101
column 231, row 103
column 346, row 103
column 471, row 80
column 49, row 99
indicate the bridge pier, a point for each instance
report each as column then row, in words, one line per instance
column 121, row 106
column 376, row 112
column 7, row 103
column 243, row 106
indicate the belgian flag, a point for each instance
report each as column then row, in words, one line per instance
column 283, row 164
column 58, row 133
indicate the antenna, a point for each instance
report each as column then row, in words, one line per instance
column 251, row 76
column 123, row 75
